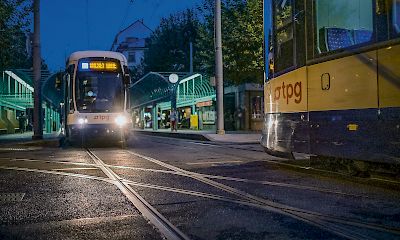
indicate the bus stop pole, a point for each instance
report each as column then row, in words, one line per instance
column 219, row 69
column 37, row 106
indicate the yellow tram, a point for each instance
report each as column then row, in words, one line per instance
column 333, row 78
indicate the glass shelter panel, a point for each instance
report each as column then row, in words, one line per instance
column 396, row 16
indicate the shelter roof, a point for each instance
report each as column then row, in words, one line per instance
column 155, row 87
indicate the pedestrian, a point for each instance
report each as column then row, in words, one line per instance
column 173, row 117
column 22, row 123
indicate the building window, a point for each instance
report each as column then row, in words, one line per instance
column 283, row 26
column 132, row 57
column 257, row 107
column 341, row 24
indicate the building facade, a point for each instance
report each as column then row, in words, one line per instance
column 131, row 42
column 244, row 107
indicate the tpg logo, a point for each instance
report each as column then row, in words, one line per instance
column 101, row 117
column 288, row 91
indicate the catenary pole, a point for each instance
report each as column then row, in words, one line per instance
column 191, row 57
column 219, row 69
column 37, row 108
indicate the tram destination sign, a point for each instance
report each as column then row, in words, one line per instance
column 108, row 66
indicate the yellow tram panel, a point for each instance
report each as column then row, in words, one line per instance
column 345, row 83
column 389, row 76
column 287, row 93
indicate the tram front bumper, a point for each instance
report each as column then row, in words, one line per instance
column 97, row 132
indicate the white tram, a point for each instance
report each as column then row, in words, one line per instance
column 96, row 89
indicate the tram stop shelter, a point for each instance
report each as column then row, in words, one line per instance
column 153, row 96
column 16, row 97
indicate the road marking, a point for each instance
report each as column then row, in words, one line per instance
column 63, row 169
column 269, row 183
column 19, row 149
column 47, row 161
column 216, row 162
column 62, row 223
column 58, row 173
column 11, row 197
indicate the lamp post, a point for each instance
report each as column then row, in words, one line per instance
column 1, row 57
column 37, row 110
column 174, row 80
column 219, row 69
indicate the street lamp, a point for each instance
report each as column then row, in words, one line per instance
column 174, row 80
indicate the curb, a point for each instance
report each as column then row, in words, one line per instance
column 50, row 143
column 191, row 136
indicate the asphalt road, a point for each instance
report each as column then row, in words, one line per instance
column 159, row 188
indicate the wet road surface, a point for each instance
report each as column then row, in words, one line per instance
column 179, row 189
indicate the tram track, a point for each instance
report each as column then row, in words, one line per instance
column 314, row 218
column 279, row 162
column 326, row 222
column 232, row 179
column 166, row 228
column 200, row 194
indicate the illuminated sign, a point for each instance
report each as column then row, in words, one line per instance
column 99, row 66
column 204, row 104
column 85, row 66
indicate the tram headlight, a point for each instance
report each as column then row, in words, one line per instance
column 82, row 121
column 121, row 120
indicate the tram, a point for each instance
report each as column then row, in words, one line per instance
column 333, row 79
column 96, row 105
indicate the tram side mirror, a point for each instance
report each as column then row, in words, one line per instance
column 71, row 69
column 127, row 77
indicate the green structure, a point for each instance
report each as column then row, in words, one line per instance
column 153, row 95
column 16, row 97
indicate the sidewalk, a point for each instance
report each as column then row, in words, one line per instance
column 49, row 139
column 53, row 139
column 242, row 137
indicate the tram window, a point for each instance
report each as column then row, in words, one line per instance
column 99, row 92
column 70, row 86
column 283, row 26
column 341, row 24
column 396, row 16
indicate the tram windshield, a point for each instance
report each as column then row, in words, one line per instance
column 99, row 91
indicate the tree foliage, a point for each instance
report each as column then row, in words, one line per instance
column 242, row 41
column 168, row 47
column 15, row 16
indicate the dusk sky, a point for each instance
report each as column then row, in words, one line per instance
column 65, row 27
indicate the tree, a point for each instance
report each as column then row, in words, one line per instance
column 168, row 46
column 14, row 21
column 242, row 40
